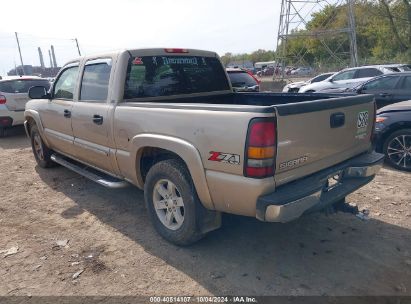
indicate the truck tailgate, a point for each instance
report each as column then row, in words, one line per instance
column 317, row 134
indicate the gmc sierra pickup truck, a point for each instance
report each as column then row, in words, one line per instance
column 168, row 122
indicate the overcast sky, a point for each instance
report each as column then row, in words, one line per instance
column 235, row 26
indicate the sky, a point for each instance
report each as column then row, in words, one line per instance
column 235, row 26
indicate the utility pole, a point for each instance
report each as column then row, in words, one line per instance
column 353, row 34
column 78, row 48
column 21, row 58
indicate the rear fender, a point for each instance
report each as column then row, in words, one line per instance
column 182, row 148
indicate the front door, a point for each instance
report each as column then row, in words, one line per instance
column 56, row 113
column 90, row 119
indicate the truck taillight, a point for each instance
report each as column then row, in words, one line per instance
column 2, row 99
column 178, row 51
column 260, row 148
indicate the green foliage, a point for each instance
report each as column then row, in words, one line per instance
column 256, row 56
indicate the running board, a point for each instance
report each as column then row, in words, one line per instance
column 91, row 173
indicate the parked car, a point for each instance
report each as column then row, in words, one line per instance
column 242, row 80
column 294, row 87
column 168, row 122
column 302, row 71
column 393, row 134
column 13, row 98
column 348, row 78
column 387, row 89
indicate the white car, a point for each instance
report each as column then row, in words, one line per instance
column 294, row 87
column 302, row 71
column 13, row 99
column 349, row 78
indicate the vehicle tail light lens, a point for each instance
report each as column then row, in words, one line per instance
column 178, row 51
column 260, row 148
column 2, row 99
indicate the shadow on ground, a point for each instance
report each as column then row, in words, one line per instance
column 15, row 138
column 315, row 255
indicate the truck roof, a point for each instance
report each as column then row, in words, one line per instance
column 149, row 52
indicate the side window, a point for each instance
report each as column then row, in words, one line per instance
column 406, row 84
column 320, row 78
column 369, row 72
column 386, row 83
column 96, row 77
column 65, row 84
column 344, row 75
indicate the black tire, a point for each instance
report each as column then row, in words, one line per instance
column 392, row 147
column 2, row 132
column 174, row 171
column 43, row 156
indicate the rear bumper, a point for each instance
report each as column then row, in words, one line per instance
column 313, row 193
column 13, row 118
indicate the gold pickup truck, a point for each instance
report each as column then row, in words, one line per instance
column 168, row 122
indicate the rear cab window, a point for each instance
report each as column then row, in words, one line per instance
column 168, row 75
column 22, row 85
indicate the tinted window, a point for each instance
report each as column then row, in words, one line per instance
column 320, row 78
column 385, row 83
column 241, row 79
column 363, row 73
column 22, row 85
column 152, row 76
column 94, row 85
column 406, row 85
column 64, row 87
column 344, row 75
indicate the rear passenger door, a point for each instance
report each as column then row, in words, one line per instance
column 90, row 119
column 385, row 90
column 404, row 89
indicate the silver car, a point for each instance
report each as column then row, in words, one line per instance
column 13, row 99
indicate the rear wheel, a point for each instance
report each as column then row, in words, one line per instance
column 41, row 152
column 397, row 149
column 172, row 202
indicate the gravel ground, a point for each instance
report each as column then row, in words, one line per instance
column 74, row 237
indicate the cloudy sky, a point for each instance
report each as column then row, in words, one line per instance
column 219, row 25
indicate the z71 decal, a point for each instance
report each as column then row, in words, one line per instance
column 229, row 158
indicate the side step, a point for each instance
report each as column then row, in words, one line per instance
column 91, row 173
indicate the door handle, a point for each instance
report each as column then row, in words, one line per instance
column 384, row 94
column 337, row 120
column 67, row 113
column 98, row 119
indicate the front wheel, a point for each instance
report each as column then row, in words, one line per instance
column 172, row 202
column 41, row 152
column 397, row 149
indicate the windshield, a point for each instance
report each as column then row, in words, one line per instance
column 152, row 76
column 22, row 85
column 241, row 79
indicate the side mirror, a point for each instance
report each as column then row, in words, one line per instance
column 38, row 92
column 330, row 80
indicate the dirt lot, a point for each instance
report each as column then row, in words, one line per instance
column 110, row 238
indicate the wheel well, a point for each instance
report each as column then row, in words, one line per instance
column 30, row 122
column 392, row 128
column 151, row 155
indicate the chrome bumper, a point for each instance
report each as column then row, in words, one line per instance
column 312, row 193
